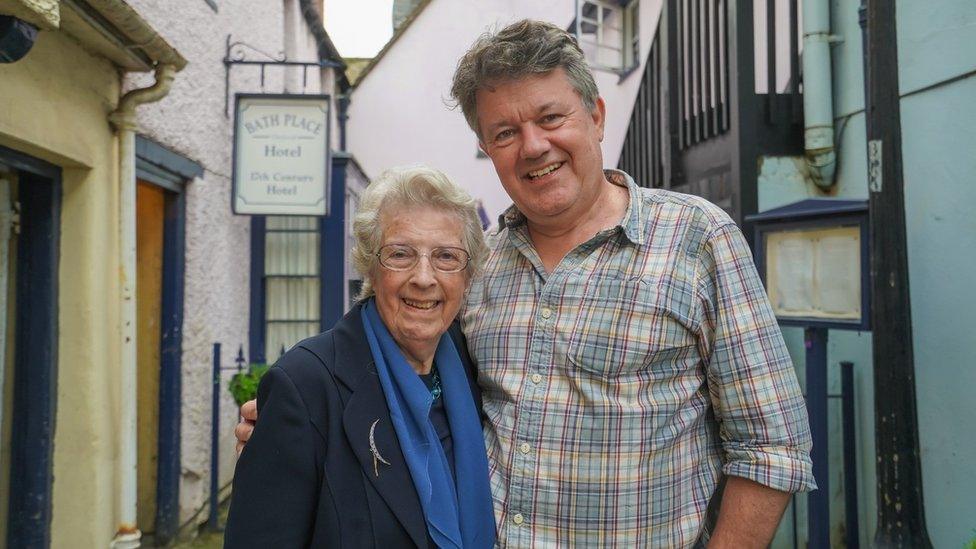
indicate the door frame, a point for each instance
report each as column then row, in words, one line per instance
column 170, row 171
column 35, row 350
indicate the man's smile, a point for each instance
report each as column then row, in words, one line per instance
column 544, row 171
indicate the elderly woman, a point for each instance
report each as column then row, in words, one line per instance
column 370, row 433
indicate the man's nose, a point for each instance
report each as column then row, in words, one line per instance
column 535, row 142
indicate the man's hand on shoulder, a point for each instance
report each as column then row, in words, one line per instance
column 243, row 430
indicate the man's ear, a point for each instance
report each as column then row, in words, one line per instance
column 599, row 115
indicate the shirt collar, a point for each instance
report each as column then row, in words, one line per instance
column 630, row 224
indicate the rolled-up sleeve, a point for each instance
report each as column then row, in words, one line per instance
column 761, row 412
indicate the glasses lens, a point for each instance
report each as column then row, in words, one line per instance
column 398, row 257
column 449, row 260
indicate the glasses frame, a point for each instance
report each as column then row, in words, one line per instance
column 379, row 258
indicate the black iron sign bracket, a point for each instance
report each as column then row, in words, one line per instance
column 237, row 53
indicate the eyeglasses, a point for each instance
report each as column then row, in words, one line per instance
column 401, row 257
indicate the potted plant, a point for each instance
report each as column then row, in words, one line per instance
column 244, row 385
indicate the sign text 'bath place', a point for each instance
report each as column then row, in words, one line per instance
column 281, row 155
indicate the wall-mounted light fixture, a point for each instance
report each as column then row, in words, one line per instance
column 16, row 38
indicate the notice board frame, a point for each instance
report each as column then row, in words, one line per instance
column 814, row 214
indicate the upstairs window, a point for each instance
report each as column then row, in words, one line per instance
column 608, row 32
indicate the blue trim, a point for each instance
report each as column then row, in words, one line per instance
column 255, row 342
column 36, row 166
column 35, row 360
column 168, row 469
column 333, row 247
column 214, row 437
column 178, row 166
column 811, row 207
column 818, row 502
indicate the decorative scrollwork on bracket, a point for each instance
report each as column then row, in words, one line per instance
column 237, row 54
column 237, row 51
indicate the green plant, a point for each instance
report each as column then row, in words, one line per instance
column 244, row 385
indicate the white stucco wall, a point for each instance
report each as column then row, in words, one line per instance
column 399, row 112
column 191, row 121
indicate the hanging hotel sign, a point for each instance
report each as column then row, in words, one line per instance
column 281, row 154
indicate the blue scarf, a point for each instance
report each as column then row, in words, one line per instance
column 467, row 522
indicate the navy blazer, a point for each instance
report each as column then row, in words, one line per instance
column 306, row 477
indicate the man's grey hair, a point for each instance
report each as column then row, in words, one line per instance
column 524, row 48
column 412, row 186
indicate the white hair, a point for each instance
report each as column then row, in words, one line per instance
column 413, row 186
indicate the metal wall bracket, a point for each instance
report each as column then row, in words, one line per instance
column 236, row 53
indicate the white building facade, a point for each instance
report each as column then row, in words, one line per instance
column 400, row 112
column 193, row 126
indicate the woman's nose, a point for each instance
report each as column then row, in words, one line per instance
column 423, row 272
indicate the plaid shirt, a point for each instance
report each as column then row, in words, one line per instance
column 620, row 387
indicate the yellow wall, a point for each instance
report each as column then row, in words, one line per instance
column 55, row 106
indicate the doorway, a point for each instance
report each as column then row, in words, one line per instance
column 159, row 314
column 30, row 221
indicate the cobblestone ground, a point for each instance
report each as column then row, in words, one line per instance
column 208, row 539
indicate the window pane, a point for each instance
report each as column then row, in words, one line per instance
column 284, row 335
column 292, row 299
column 605, row 35
column 290, row 223
column 287, row 253
column 352, row 276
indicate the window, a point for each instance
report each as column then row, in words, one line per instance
column 353, row 280
column 608, row 33
column 292, row 282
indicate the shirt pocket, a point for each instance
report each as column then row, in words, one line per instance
column 629, row 325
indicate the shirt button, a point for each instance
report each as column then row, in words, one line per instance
column 518, row 518
column 524, row 447
column 546, row 312
column 536, row 378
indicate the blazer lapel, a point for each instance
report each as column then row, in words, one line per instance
column 393, row 481
column 367, row 404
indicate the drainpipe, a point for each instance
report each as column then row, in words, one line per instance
column 818, row 103
column 343, row 116
column 124, row 119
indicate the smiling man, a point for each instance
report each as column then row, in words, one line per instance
column 635, row 381
column 630, row 362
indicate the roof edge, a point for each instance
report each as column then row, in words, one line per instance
column 393, row 39
column 327, row 50
column 44, row 14
column 137, row 30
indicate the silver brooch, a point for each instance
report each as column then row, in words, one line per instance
column 377, row 458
